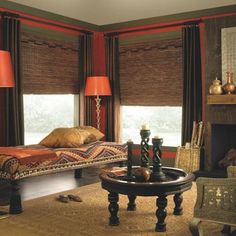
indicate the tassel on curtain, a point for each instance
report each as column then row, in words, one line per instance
column 14, row 97
column 192, row 87
column 113, row 103
column 85, row 60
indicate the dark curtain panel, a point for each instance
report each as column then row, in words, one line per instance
column 113, row 102
column 192, row 87
column 14, row 96
column 85, row 70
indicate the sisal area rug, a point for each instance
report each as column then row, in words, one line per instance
column 47, row 217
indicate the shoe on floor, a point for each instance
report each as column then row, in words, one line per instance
column 75, row 198
column 63, row 198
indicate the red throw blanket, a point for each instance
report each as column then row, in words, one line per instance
column 26, row 155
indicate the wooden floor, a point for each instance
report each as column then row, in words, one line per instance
column 58, row 182
column 39, row 186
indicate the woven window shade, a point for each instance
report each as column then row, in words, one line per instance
column 151, row 73
column 49, row 66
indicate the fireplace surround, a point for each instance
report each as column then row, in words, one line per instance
column 223, row 138
column 220, row 134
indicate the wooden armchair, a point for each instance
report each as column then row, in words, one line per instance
column 216, row 202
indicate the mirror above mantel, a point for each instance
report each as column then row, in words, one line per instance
column 228, row 52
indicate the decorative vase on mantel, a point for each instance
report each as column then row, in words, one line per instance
column 229, row 87
column 216, row 87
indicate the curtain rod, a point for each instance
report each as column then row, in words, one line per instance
column 9, row 14
column 186, row 23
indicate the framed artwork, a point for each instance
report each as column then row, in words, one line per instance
column 228, row 52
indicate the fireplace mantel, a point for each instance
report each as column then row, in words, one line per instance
column 224, row 99
column 221, row 113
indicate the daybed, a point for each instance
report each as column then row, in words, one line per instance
column 25, row 161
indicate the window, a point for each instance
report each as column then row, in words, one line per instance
column 151, row 88
column 164, row 121
column 43, row 113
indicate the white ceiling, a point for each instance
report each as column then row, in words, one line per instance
column 102, row 12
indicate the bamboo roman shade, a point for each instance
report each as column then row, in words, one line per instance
column 151, row 73
column 50, row 66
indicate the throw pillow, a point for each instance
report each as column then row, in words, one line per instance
column 94, row 134
column 65, row 137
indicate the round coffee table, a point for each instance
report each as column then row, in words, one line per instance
column 177, row 181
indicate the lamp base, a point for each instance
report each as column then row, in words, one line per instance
column 98, row 106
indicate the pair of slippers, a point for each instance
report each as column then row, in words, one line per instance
column 70, row 197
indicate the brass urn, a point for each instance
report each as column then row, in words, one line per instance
column 216, row 87
column 229, row 87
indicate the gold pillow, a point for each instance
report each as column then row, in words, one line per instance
column 94, row 134
column 65, row 137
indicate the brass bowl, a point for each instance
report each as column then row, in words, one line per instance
column 142, row 174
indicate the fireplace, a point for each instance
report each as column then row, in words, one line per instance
column 223, row 138
column 220, row 134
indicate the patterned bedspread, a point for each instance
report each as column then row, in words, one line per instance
column 24, row 161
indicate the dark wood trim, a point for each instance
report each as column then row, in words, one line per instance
column 174, row 17
column 49, row 33
column 109, row 27
column 150, row 37
column 47, row 15
column 164, row 26
column 42, row 21
column 55, row 24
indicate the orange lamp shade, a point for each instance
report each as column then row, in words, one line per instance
column 97, row 86
column 6, row 72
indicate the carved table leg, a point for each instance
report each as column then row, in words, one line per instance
column 131, row 205
column 178, row 199
column 226, row 230
column 194, row 227
column 15, row 201
column 122, row 164
column 78, row 173
column 113, row 207
column 161, row 204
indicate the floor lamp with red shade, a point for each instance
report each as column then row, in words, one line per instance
column 6, row 81
column 97, row 86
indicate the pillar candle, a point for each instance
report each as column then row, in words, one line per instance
column 145, row 127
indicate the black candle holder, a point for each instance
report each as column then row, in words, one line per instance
column 144, row 147
column 157, row 173
column 129, row 175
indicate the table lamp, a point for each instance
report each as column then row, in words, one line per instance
column 6, row 81
column 97, row 86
